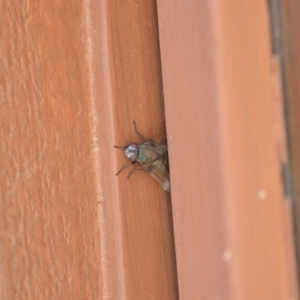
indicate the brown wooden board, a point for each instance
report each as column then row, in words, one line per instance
column 75, row 75
column 232, row 224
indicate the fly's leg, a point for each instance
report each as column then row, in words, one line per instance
column 124, row 168
column 137, row 132
column 132, row 171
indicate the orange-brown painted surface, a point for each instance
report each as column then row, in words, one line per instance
column 49, row 233
column 74, row 78
column 232, row 225
column 146, row 219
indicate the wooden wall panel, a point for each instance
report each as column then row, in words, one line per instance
column 232, row 222
column 149, row 255
column 75, row 75
column 49, row 218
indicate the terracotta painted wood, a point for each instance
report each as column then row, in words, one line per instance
column 233, row 227
column 74, row 77
column 145, row 208
column 50, row 234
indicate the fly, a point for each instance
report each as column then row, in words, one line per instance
column 153, row 158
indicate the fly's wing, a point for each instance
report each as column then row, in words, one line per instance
column 157, row 170
column 163, row 177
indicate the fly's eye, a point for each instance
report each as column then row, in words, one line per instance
column 132, row 152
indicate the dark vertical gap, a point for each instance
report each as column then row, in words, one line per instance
column 279, row 46
column 278, row 49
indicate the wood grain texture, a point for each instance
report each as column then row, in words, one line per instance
column 74, row 77
column 49, row 229
column 232, row 224
column 149, row 257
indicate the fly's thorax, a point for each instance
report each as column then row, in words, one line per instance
column 147, row 154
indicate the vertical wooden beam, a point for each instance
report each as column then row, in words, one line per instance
column 232, row 224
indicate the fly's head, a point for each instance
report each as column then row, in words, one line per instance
column 132, row 152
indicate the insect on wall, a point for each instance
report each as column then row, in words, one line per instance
column 152, row 156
